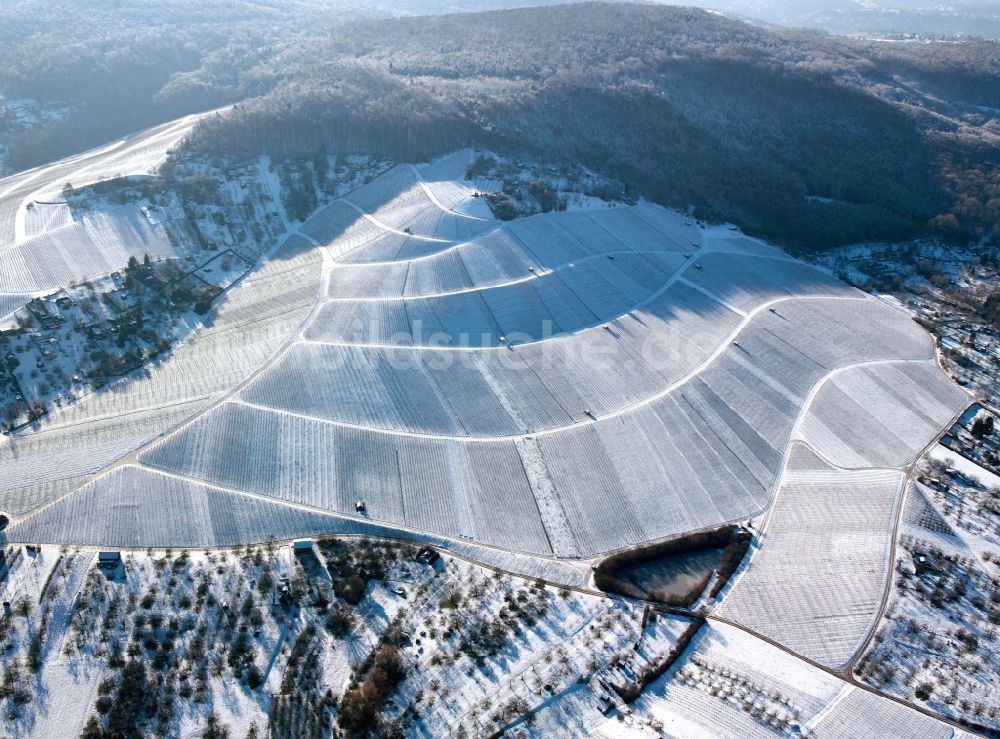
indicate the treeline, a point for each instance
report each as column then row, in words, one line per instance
column 613, row 574
column 630, row 692
column 805, row 139
column 359, row 112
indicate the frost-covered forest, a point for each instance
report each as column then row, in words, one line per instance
column 805, row 139
column 110, row 68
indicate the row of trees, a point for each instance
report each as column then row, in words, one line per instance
column 360, row 704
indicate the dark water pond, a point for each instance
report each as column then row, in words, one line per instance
column 676, row 579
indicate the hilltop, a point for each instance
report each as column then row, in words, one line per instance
column 806, row 139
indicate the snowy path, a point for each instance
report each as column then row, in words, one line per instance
column 666, row 390
column 386, row 227
column 135, row 154
column 62, row 606
column 851, row 619
column 434, row 199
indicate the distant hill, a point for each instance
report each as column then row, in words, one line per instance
column 120, row 65
column 971, row 18
column 803, row 138
column 896, row 18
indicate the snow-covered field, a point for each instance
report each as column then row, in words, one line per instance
column 43, row 247
column 445, row 181
column 966, row 466
column 251, row 323
column 94, row 246
column 658, row 369
column 732, row 684
column 27, row 199
column 46, row 216
column 399, row 202
column 881, row 415
column 529, row 394
column 815, row 582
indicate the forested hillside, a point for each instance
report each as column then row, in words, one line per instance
column 121, row 65
column 807, row 139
